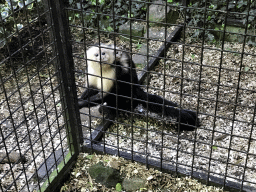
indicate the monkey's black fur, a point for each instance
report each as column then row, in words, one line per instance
column 125, row 87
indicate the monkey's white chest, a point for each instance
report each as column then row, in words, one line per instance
column 101, row 77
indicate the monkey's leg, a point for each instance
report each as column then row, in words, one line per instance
column 188, row 119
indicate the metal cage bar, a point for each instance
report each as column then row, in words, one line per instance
column 42, row 70
column 38, row 97
column 191, row 167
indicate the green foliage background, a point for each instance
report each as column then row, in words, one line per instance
column 14, row 15
column 108, row 15
column 120, row 9
column 211, row 15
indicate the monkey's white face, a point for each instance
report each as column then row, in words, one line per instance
column 101, row 54
column 100, row 74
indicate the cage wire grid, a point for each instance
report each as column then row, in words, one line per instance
column 215, row 80
column 33, row 114
column 210, row 79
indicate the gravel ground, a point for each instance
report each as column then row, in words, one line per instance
column 34, row 127
column 154, row 180
column 212, row 140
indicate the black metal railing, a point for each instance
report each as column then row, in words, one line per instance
column 39, row 139
column 196, row 71
column 197, row 54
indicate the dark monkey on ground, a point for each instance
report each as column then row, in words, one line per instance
column 112, row 78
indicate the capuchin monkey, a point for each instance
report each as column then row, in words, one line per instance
column 112, row 78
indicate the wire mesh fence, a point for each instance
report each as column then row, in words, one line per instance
column 197, row 54
column 34, row 118
column 209, row 69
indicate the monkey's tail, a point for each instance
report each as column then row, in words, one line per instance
column 188, row 118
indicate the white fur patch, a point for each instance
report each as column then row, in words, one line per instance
column 99, row 69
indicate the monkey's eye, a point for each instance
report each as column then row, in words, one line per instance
column 103, row 53
column 96, row 55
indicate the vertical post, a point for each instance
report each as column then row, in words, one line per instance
column 185, row 3
column 67, row 79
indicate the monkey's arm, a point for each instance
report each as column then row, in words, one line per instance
column 91, row 93
column 88, row 93
column 92, row 100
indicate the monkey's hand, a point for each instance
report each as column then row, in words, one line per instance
column 92, row 101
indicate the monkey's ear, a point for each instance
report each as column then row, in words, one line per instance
column 125, row 57
column 125, row 61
